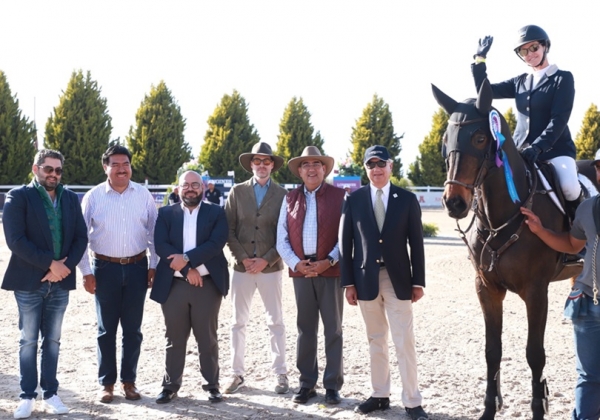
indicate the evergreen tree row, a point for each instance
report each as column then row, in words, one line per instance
column 80, row 127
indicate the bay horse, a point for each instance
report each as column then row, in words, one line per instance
column 505, row 254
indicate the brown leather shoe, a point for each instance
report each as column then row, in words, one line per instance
column 130, row 391
column 106, row 394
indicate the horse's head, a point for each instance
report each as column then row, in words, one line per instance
column 470, row 148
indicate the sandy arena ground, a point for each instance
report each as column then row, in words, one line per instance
column 450, row 345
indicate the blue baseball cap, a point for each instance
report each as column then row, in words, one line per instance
column 377, row 151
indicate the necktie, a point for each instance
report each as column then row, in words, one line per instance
column 379, row 209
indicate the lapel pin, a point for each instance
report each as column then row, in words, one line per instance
column 395, row 195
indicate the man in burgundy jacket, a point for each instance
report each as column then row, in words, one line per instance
column 307, row 240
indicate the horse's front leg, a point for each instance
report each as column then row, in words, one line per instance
column 537, row 313
column 491, row 298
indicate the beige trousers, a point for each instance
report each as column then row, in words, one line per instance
column 400, row 317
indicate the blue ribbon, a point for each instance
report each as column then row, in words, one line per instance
column 510, row 183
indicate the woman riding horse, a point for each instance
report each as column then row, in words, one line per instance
column 544, row 100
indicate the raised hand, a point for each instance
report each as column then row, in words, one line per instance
column 484, row 46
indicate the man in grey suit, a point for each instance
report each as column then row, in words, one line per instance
column 252, row 210
column 191, row 280
column 378, row 221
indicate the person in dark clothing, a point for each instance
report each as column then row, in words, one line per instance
column 213, row 195
column 174, row 196
column 544, row 100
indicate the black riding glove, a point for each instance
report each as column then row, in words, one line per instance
column 531, row 153
column 484, row 46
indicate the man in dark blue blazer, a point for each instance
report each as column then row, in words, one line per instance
column 384, row 277
column 46, row 233
column 191, row 280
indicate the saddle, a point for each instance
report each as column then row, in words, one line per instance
column 549, row 184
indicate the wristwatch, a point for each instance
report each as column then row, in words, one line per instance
column 186, row 258
column 332, row 262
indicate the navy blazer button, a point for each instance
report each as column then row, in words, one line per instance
column 381, row 241
column 377, row 261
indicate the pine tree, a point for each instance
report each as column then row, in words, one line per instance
column 157, row 142
column 376, row 126
column 295, row 133
column 430, row 169
column 80, row 128
column 587, row 141
column 511, row 120
column 17, row 138
column 229, row 135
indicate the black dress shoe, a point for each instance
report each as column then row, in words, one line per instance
column 417, row 413
column 372, row 404
column 332, row 397
column 165, row 396
column 214, row 396
column 304, row 395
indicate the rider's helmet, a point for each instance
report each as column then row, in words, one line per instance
column 529, row 34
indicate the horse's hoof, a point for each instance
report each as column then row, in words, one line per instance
column 491, row 406
column 539, row 407
column 488, row 415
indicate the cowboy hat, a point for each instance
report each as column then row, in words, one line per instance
column 260, row 148
column 310, row 153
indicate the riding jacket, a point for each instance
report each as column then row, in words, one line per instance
column 543, row 109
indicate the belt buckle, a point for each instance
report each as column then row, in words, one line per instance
column 124, row 259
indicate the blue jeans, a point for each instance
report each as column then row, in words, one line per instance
column 120, row 295
column 587, row 352
column 41, row 312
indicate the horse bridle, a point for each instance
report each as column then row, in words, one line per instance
column 493, row 232
column 486, row 157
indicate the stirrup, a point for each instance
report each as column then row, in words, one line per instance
column 573, row 259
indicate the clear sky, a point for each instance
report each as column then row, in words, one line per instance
column 334, row 54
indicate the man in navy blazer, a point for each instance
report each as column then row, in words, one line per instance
column 383, row 276
column 46, row 233
column 190, row 282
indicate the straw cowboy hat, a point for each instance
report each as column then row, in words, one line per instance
column 260, row 148
column 310, row 153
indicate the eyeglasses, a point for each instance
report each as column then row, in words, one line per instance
column 524, row 51
column 49, row 169
column 193, row 185
column 265, row 161
column 316, row 164
column 379, row 163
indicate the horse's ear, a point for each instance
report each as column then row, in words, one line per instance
column 484, row 98
column 446, row 102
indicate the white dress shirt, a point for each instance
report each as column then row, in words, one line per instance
column 119, row 224
column 190, row 220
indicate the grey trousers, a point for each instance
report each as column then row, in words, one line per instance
column 324, row 296
column 190, row 308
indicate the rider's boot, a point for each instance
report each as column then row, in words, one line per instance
column 571, row 208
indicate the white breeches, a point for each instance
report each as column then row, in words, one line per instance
column 566, row 170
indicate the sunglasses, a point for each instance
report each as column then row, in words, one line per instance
column 193, row 185
column 524, row 51
column 380, row 163
column 49, row 169
column 265, row 161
